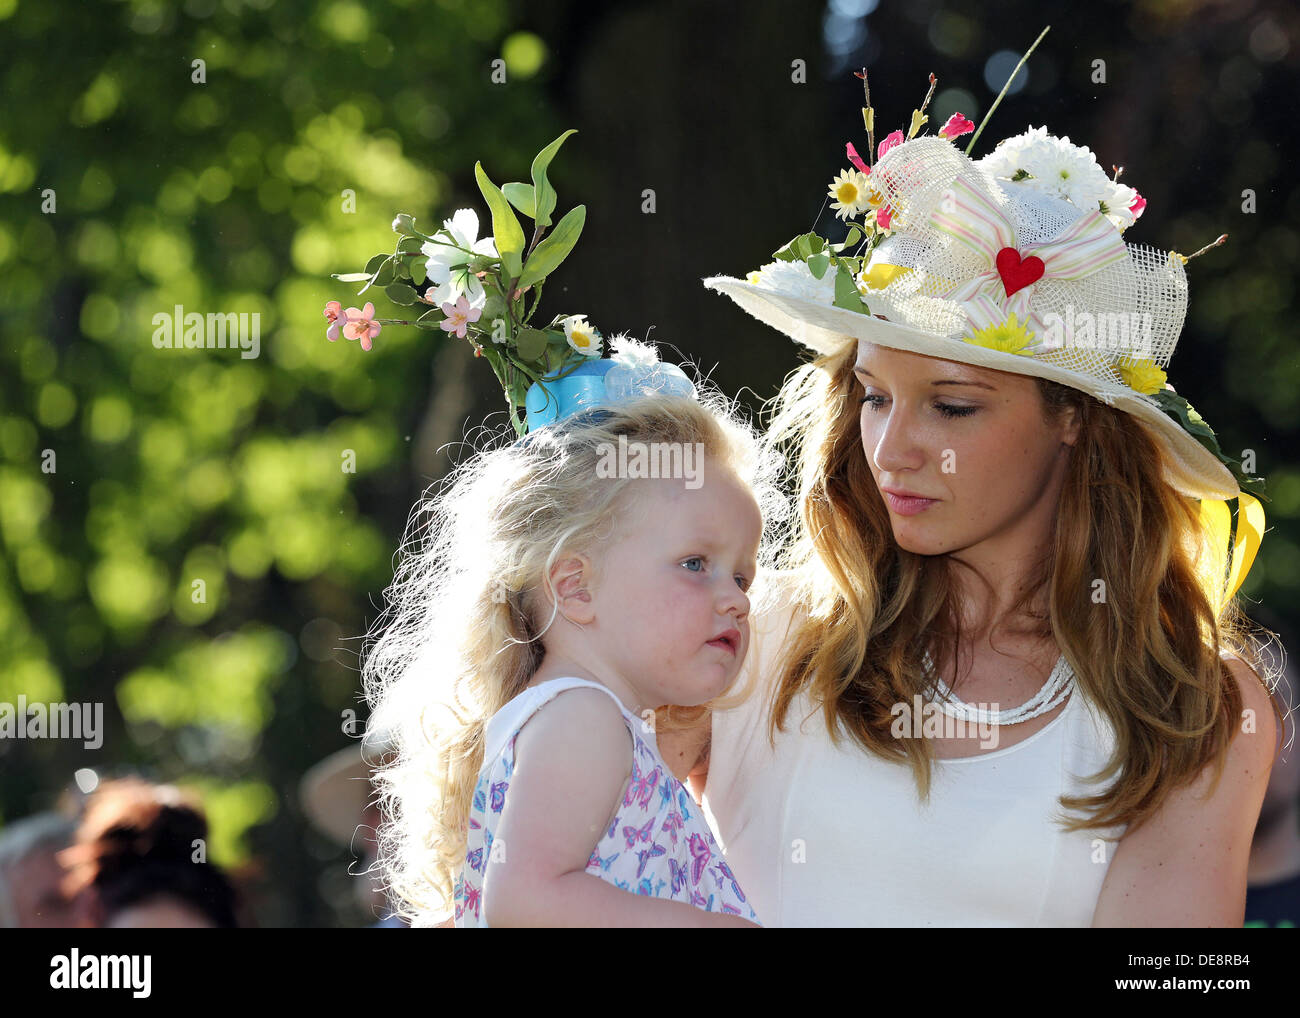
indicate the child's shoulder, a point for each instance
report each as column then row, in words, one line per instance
column 560, row 713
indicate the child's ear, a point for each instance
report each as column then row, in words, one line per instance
column 569, row 579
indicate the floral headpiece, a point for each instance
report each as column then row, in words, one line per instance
column 484, row 289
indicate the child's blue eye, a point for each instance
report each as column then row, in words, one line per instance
column 694, row 558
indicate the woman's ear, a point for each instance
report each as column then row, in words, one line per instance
column 570, row 578
column 1070, row 425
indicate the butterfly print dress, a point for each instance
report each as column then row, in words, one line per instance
column 658, row 844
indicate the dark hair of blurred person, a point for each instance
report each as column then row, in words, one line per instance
column 133, row 863
column 31, row 876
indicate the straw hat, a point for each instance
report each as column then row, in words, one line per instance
column 984, row 263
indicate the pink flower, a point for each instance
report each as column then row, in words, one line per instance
column 1139, row 203
column 362, row 325
column 334, row 315
column 856, row 159
column 894, row 139
column 884, row 216
column 956, row 126
column 459, row 315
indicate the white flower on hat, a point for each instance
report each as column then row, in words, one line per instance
column 797, row 280
column 582, row 336
column 1051, row 165
column 446, row 267
column 1118, row 204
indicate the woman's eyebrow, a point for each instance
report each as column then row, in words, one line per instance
column 938, row 381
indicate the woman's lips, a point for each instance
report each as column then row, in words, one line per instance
column 906, row 505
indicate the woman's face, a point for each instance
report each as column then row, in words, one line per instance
column 972, row 442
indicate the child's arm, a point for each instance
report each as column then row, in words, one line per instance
column 573, row 759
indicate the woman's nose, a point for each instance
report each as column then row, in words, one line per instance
column 896, row 447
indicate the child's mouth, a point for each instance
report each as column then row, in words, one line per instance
column 729, row 640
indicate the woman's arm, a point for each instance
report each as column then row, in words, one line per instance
column 562, row 796
column 1186, row 866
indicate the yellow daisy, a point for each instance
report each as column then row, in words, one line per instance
column 849, row 190
column 1009, row 337
column 1143, row 375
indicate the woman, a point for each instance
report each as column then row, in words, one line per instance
column 986, row 504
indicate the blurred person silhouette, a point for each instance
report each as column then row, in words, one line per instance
column 31, row 876
column 139, row 861
column 1273, row 873
column 339, row 798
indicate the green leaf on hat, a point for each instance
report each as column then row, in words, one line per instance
column 400, row 293
column 1185, row 415
column 819, row 263
column 521, row 196
column 846, row 291
column 494, row 307
column 545, row 196
column 530, row 343
column 507, row 232
column 801, row 248
column 350, row 277
column 380, row 272
column 547, row 255
column 855, row 234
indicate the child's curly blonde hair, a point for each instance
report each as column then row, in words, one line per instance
column 461, row 634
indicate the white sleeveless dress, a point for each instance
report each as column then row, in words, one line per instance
column 835, row 836
column 658, row 843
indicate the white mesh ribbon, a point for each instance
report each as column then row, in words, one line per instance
column 638, row 371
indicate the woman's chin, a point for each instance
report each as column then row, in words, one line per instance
column 918, row 539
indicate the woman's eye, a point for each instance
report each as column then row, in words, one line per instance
column 947, row 409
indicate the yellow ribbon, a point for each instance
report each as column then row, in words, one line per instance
column 1232, row 559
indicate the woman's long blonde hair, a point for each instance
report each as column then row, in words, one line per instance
column 1147, row 655
column 463, row 630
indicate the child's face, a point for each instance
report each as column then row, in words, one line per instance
column 675, row 583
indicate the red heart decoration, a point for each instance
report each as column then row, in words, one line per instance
column 1017, row 272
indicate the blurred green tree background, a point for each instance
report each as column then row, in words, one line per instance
column 131, row 183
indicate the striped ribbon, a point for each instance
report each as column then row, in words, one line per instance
column 971, row 218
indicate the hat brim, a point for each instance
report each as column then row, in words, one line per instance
column 1190, row 467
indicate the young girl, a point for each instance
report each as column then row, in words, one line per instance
column 554, row 600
